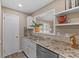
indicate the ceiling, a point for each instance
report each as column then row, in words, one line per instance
column 28, row 6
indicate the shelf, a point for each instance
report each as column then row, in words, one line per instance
column 72, row 10
column 68, row 24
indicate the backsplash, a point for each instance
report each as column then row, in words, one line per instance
column 55, row 37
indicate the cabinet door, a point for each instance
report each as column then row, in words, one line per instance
column 44, row 53
column 29, row 48
column 25, row 46
column 32, row 50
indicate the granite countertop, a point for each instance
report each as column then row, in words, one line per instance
column 60, row 47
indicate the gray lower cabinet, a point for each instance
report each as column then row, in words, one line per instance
column 45, row 53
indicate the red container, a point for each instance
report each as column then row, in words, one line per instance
column 61, row 19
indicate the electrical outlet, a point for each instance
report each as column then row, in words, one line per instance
column 58, row 34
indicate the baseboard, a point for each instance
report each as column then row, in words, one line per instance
column 25, row 54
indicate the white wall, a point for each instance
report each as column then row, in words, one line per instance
column 58, row 5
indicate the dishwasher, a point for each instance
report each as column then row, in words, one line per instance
column 45, row 53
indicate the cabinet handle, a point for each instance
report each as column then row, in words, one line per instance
column 43, row 51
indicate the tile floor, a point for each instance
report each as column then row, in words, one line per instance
column 17, row 55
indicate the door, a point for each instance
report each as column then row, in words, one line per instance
column 10, row 34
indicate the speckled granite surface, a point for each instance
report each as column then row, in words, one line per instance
column 60, row 47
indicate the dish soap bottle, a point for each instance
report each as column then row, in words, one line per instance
column 73, row 41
